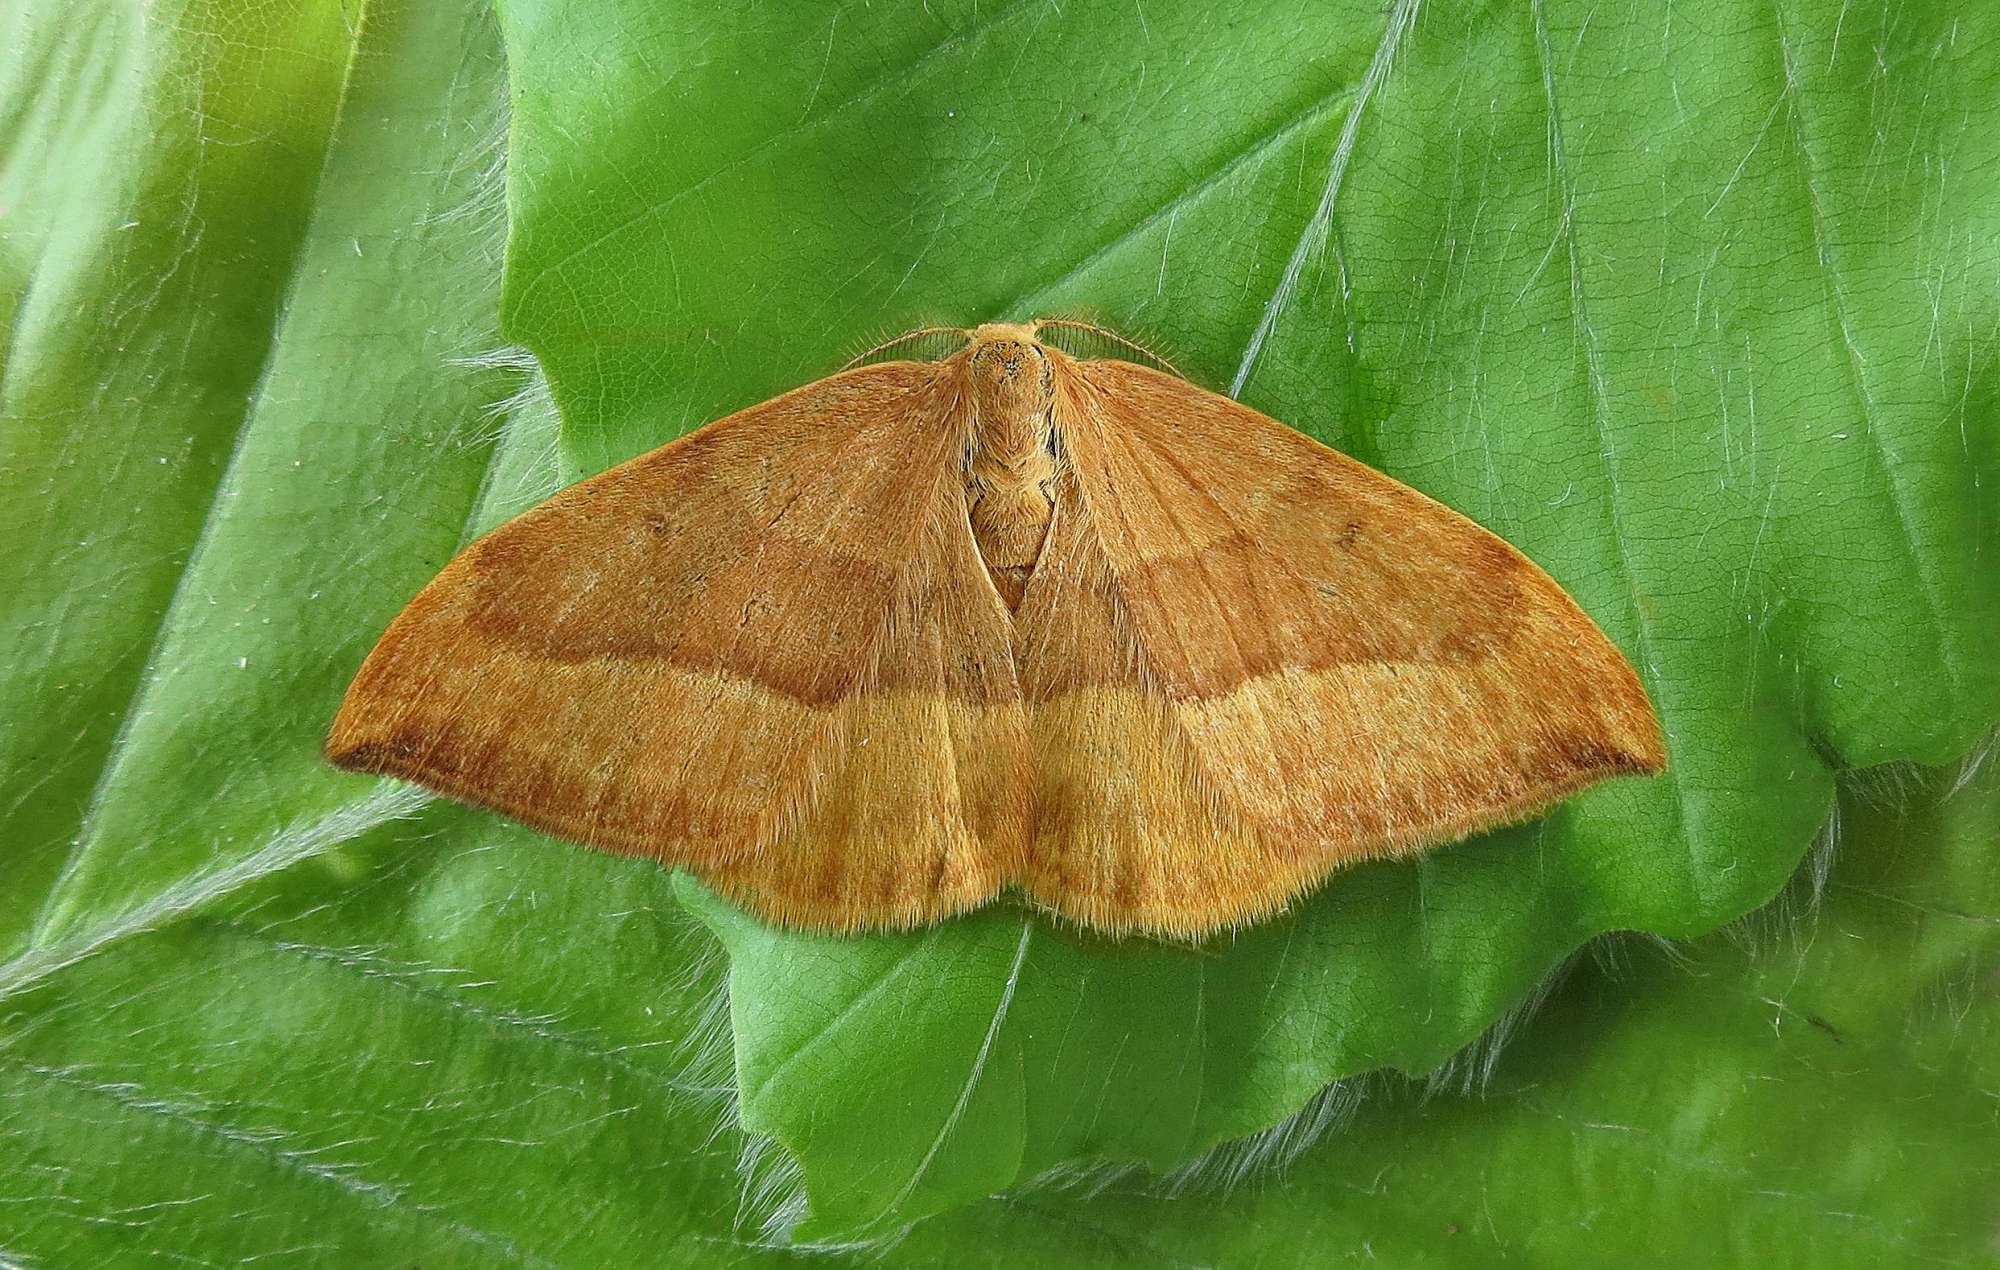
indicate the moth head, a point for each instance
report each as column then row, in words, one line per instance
column 1010, row 370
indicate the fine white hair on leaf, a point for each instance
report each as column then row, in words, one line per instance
column 525, row 416
column 1231, row 1164
column 521, row 431
column 773, row 1190
column 1266, row 1155
column 1792, row 916
column 1973, row 763
column 702, row 1058
column 772, row 1202
column 1610, row 953
column 771, row 1196
column 1470, row 1071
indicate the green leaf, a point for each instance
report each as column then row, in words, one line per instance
column 1807, row 1090
column 252, row 1009
column 141, row 306
column 1697, row 309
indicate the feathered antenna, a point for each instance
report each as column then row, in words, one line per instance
column 1114, row 337
column 904, row 338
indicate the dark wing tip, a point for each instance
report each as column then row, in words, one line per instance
column 360, row 742
column 352, row 754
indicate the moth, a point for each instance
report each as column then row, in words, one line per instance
column 869, row 653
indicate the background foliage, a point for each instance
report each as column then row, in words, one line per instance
column 1698, row 308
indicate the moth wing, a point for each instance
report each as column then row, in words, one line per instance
column 729, row 654
column 1305, row 663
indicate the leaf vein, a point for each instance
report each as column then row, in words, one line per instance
column 129, row 1098
column 1836, row 298
column 978, row 1069
column 1256, row 151
column 1320, row 223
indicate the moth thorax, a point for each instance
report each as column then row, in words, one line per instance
column 1012, row 461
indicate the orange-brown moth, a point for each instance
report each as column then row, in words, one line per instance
column 868, row 653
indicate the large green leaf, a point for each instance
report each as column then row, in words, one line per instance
column 249, row 1008
column 1697, row 312
column 1808, row 1091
